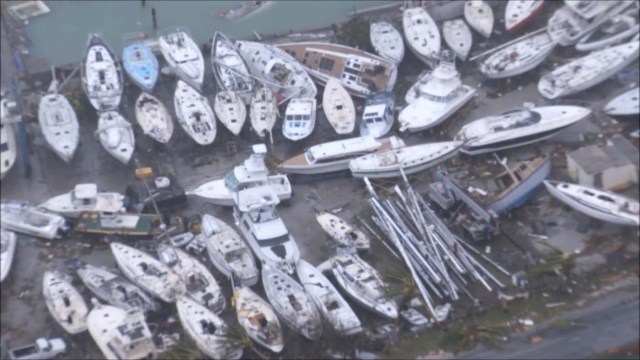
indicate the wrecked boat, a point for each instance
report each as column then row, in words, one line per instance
column 342, row 232
column 23, row 218
column 84, row 197
column 64, row 302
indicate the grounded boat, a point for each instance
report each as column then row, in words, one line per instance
column 230, row 110
column 59, row 125
column 343, row 233
column 518, row 127
column 422, row 34
column 282, row 73
column 194, row 114
column 293, row 305
column 625, row 104
column 148, row 272
column 328, row 300
column 247, row 8
column 479, row 16
column 458, row 37
column 120, row 334
column 263, row 111
column 518, row 58
column 603, row 205
column 360, row 72
column 7, row 251
column 183, row 55
column 617, row 30
column 299, row 118
column 84, row 197
column 207, row 330
column 410, row 159
column 338, row 107
column 139, row 62
column 378, row 115
column 24, row 218
column 154, row 118
column 386, row 41
column 8, row 148
column 227, row 251
column 230, row 69
column 119, row 224
column 64, row 302
column 115, row 289
column 587, row 71
column 101, row 75
column 435, row 97
column 116, row 136
column 518, row 13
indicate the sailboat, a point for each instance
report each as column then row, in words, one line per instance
column 140, row 62
column 338, row 107
column 59, row 123
column 183, row 54
column 154, row 118
column 116, row 136
column 386, row 40
column 101, row 75
column 64, row 302
column 230, row 110
column 518, row 58
column 7, row 251
column 230, row 68
column 479, row 16
column 458, row 37
column 518, row 13
column 8, row 147
column 422, row 34
column 625, row 104
column 194, row 114
column 263, row 111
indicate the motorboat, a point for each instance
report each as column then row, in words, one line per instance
column 230, row 69
column 587, row 71
column 201, row 286
column 518, row 13
column 596, row 203
column 183, row 54
column 518, row 58
column 435, row 97
column 625, row 104
column 207, row 330
column 230, row 110
column 8, row 148
column 279, row 71
column 21, row 217
column 116, row 136
column 7, row 251
column 410, row 159
column 335, row 155
column 338, row 107
column 361, row 73
column 140, row 62
column 342, row 232
column 59, row 125
column 64, row 302
column 148, row 272
column 263, row 111
column 194, row 114
column 479, row 15
column 331, row 304
column 101, row 75
column 386, row 41
column 613, row 32
column 115, row 289
column 422, row 34
column 518, row 127
column 227, row 251
column 378, row 115
column 458, row 37
column 84, row 197
column 299, row 118
column 154, row 118
column 182, row 239
column 292, row 304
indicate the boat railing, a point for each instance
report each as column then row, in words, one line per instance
column 173, row 29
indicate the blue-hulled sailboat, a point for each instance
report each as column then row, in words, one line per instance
column 139, row 62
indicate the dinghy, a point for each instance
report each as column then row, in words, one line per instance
column 587, row 71
column 411, row 159
column 120, row 334
column 148, row 273
column 181, row 240
column 101, row 75
column 338, row 107
column 328, row 300
column 518, row 58
column 139, row 62
column 458, row 37
column 343, row 233
column 154, row 118
column 257, row 317
column 183, row 55
column 603, row 205
column 201, row 286
column 7, row 251
column 299, row 118
column 422, row 34
column 115, row 289
column 378, row 115
column 8, row 148
column 116, row 136
column 64, row 302
column 479, row 16
column 84, row 197
column 263, row 111
column 386, row 41
column 23, row 218
column 518, row 13
column 194, row 114
column 207, row 330
column 230, row 69
column 292, row 304
column 59, row 125
column 625, row 104
column 517, row 127
column 230, row 110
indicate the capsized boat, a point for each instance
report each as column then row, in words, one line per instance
column 116, row 136
column 299, row 118
column 263, row 111
column 422, row 34
column 115, row 289
column 619, row 29
column 101, row 75
column 378, row 115
column 230, row 69
column 183, row 54
column 292, row 304
column 207, row 330
column 154, row 118
column 518, row 127
column 7, row 251
column 194, row 114
column 518, row 58
column 458, row 37
column 64, row 302
column 386, row 41
column 518, row 13
column 139, row 62
column 148, row 272
column 21, row 217
column 342, row 232
column 410, row 159
column 587, row 71
column 59, row 125
column 625, row 104
column 230, row 110
column 479, row 16
column 338, row 107
column 331, row 304
column 8, row 147
column 84, row 197
column 600, row 204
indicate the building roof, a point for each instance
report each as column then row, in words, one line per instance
column 594, row 159
column 626, row 148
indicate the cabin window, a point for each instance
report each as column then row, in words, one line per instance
column 290, row 52
column 298, row 117
column 589, row 193
column 326, row 64
column 4, row 147
column 606, row 198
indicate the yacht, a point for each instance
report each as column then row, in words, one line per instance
column 101, row 75
column 140, row 62
column 230, row 69
column 387, row 41
column 84, row 197
column 378, row 115
column 518, row 13
column 299, row 118
column 183, row 54
column 422, row 34
column 479, row 15
column 194, row 114
column 518, row 58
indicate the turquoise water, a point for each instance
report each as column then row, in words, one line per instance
column 61, row 35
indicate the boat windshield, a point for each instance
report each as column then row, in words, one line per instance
column 309, row 156
column 278, row 240
column 231, row 181
column 233, row 255
column 263, row 215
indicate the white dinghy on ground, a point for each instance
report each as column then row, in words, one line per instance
column 84, row 197
column 518, row 13
column 116, row 136
column 59, row 125
column 263, row 111
column 23, row 218
column 479, row 16
column 338, row 107
column 299, row 118
column 230, row 110
column 625, row 104
column 342, row 232
column 64, row 302
column 7, row 251
column 458, row 37
column 422, row 34
column 154, row 118
column 194, row 114
column 386, row 41
column 519, row 57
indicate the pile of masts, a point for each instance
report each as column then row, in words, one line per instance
column 438, row 260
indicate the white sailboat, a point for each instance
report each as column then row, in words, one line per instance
column 479, row 15
column 299, row 118
column 619, row 29
column 84, row 197
column 263, row 111
column 59, row 125
column 64, row 302
column 7, row 251
column 101, row 75
column 518, row 58
column 23, row 218
column 458, row 37
column 230, row 110
column 625, row 104
column 194, row 114
column 230, row 69
column 183, row 54
column 422, row 34
column 116, row 136
column 378, row 115
column 342, row 232
column 8, row 147
column 518, row 13
column 338, row 107
column 386, row 41
column 154, row 118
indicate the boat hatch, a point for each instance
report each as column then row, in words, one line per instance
column 208, row 327
column 99, row 56
column 258, row 320
column 294, row 302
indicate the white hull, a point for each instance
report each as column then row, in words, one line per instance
column 257, row 318
column 338, row 107
column 479, row 16
column 217, row 193
column 9, row 151
column 64, row 302
column 625, row 104
column 585, row 45
column 230, row 69
column 263, row 111
column 194, row 114
column 70, row 206
column 422, row 34
column 342, row 232
column 101, row 75
column 26, row 219
column 458, row 37
column 230, row 110
column 386, row 41
column 424, row 114
column 183, row 55
column 378, row 115
column 518, row 12
column 299, row 118
column 8, row 241
column 154, row 118
column 59, row 125
column 529, row 53
column 116, row 136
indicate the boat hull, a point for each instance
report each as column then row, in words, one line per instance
column 8, row 252
column 432, row 120
column 217, row 193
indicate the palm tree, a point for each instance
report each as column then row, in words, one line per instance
column 404, row 284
